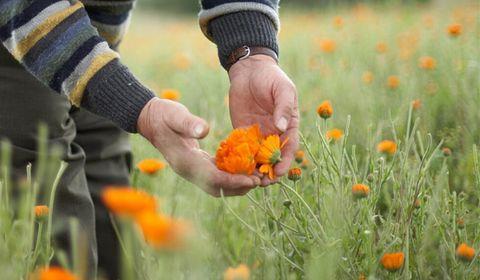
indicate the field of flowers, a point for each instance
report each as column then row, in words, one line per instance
column 386, row 184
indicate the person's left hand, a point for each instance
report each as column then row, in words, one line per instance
column 260, row 92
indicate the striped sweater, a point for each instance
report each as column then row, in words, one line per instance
column 70, row 45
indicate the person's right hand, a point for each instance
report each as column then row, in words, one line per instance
column 174, row 131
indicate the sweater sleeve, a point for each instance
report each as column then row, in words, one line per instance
column 231, row 24
column 56, row 42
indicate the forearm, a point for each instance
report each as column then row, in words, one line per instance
column 56, row 42
column 234, row 24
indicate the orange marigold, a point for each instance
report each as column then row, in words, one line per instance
column 171, row 94
column 393, row 82
column 328, row 45
column 236, row 154
column 367, row 77
column 416, row 104
column 305, row 163
column 54, row 273
column 454, row 29
column 325, row 109
column 181, row 61
column 269, row 154
column 241, row 272
column 40, row 211
column 446, row 151
column 392, row 261
column 294, row 174
column 360, row 190
column 334, row 134
column 381, row 47
column 387, row 147
column 150, row 166
column 465, row 253
column 162, row 232
column 427, row 62
column 338, row 22
column 299, row 156
column 128, row 201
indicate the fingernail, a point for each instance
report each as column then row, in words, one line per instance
column 198, row 130
column 282, row 124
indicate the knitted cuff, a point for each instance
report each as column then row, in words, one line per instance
column 247, row 28
column 114, row 93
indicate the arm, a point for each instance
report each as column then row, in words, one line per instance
column 260, row 92
column 56, row 42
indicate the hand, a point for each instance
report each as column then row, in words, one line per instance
column 174, row 131
column 260, row 92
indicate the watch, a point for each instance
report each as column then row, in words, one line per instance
column 246, row 51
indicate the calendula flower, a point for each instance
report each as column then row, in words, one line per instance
column 41, row 211
column 299, row 156
column 362, row 277
column 381, row 47
column 325, row 109
column 360, row 190
column 418, row 203
column 328, row 45
column 294, row 174
column 367, row 77
column 454, row 29
column 416, row 104
column 334, row 134
column 162, row 232
column 181, row 61
column 393, row 82
column 338, row 22
column 392, row 261
column 150, row 166
column 269, row 154
column 241, row 272
column 387, row 147
column 128, row 201
column 171, row 94
column 460, row 223
column 465, row 253
column 305, row 163
column 446, row 152
column 427, row 62
column 54, row 273
column 236, row 154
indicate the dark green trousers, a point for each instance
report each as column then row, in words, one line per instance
column 97, row 153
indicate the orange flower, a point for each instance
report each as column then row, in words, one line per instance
column 360, row 190
column 338, row 22
column 241, row 272
column 392, row 261
column 294, row 174
column 325, row 109
column 171, row 94
column 181, row 61
column 54, row 273
column 367, row 77
column 150, row 166
column 387, row 147
column 362, row 277
column 460, row 223
column 236, row 154
column 465, row 253
column 162, row 232
column 381, row 47
column 393, row 82
column 327, row 45
column 128, row 201
column 454, row 29
column 416, row 104
column 334, row 134
column 299, row 156
column 446, row 151
column 269, row 154
column 41, row 211
column 427, row 62
column 305, row 163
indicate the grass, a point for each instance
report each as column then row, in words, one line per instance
column 314, row 228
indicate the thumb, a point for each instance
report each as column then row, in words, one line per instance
column 185, row 123
column 284, row 102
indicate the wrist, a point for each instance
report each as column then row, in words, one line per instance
column 252, row 62
column 143, row 122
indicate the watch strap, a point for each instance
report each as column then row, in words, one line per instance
column 246, row 51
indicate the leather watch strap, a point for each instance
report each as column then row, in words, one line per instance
column 246, row 51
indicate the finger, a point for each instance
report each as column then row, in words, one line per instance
column 267, row 181
column 185, row 123
column 288, row 151
column 284, row 103
column 224, row 180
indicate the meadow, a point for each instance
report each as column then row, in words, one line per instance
column 407, row 74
